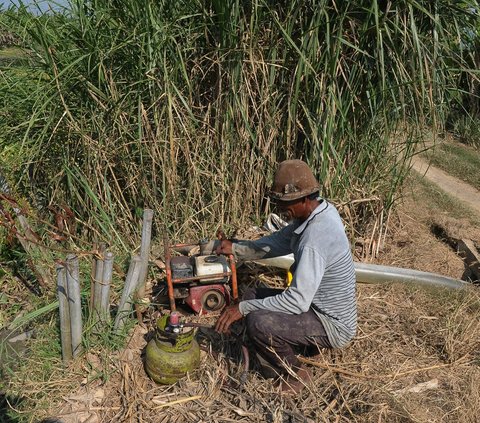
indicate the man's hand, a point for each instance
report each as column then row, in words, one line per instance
column 225, row 247
column 230, row 314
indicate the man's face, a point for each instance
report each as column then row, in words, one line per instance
column 291, row 210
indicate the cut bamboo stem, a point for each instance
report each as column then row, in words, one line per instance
column 104, row 309
column 92, row 281
column 145, row 249
column 65, row 329
column 75, row 304
column 131, row 284
column 144, row 255
column 97, row 291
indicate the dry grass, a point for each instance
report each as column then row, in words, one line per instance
column 413, row 230
column 406, row 336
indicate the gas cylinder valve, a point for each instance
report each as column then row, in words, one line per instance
column 174, row 325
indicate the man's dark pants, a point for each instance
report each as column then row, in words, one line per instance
column 278, row 336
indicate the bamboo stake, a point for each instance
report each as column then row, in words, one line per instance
column 92, row 281
column 65, row 330
column 145, row 248
column 144, row 255
column 104, row 308
column 75, row 304
column 131, row 283
column 98, row 283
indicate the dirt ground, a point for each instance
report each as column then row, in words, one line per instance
column 416, row 357
column 424, row 237
column 420, row 237
column 449, row 183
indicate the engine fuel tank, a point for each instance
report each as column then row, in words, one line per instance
column 210, row 265
column 182, row 267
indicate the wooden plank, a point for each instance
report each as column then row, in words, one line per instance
column 467, row 250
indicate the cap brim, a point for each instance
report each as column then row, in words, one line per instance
column 275, row 196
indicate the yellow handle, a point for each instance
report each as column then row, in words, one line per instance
column 289, row 278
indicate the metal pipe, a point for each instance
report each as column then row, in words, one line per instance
column 75, row 303
column 65, row 329
column 168, row 272
column 171, row 293
column 211, row 277
column 234, row 277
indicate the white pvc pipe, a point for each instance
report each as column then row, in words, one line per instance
column 282, row 262
column 374, row 273
column 75, row 305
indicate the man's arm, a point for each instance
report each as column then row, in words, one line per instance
column 298, row 297
column 274, row 245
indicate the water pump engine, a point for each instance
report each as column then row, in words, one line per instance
column 205, row 282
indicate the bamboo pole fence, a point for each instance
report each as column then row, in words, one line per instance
column 65, row 327
column 69, row 292
column 74, row 303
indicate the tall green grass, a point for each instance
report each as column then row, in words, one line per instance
column 187, row 106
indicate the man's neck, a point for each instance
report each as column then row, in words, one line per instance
column 310, row 206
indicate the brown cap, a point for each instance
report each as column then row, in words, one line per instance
column 293, row 180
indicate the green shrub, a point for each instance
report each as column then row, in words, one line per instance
column 467, row 130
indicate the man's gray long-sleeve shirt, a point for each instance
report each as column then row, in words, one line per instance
column 323, row 276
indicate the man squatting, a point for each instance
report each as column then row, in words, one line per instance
column 318, row 309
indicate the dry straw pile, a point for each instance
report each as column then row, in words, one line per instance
column 415, row 358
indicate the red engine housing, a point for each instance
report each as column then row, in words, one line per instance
column 204, row 299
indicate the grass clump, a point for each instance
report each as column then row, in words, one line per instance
column 458, row 160
column 437, row 200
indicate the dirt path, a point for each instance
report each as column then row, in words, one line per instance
column 451, row 185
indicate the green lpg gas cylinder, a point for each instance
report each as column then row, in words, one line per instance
column 172, row 352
